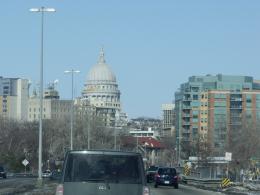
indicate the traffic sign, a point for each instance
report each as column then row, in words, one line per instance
column 225, row 182
column 187, row 169
column 25, row 162
column 228, row 156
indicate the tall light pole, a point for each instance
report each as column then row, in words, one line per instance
column 114, row 138
column 41, row 10
column 179, row 149
column 72, row 71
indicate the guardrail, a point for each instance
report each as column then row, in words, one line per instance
column 218, row 185
column 18, row 175
column 204, row 183
column 201, row 180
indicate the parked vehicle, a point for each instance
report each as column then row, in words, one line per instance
column 166, row 176
column 103, row 172
column 150, row 173
column 46, row 174
column 2, row 172
column 56, row 175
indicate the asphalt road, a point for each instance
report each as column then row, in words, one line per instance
column 14, row 186
column 183, row 190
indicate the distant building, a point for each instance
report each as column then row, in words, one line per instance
column 151, row 149
column 210, row 107
column 101, row 90
column 14, row 94
column 144, row 133
column 145, row 123
column 168, row 119
column 53, row 106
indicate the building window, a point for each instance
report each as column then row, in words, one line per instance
column 195, row 97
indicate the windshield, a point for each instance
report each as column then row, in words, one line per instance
column 167, row 171
column 152, row 168
column 103, row 168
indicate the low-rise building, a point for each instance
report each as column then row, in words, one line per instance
column 144, row 133
column 53, row 106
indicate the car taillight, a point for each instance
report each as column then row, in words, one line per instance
column 177, row 178
column 146, row 191
column 59, row 190
column 157, row 175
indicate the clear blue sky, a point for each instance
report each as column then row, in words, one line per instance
column 152, row 46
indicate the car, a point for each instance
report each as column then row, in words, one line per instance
column 166, row 176
column 2, row 172
column 103, row 172
column 150, row 173
column 56, row 175
column 46, row 174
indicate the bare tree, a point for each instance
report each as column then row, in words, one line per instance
column 244, row 142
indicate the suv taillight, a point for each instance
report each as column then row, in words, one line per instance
column 157, row 175
column 59, row 190
column 146, row 191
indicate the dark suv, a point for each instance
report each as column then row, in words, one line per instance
column 166, row 176
column 2, row 172
column 103, row 173
column 150, row 173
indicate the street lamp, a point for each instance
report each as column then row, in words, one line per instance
column 179, row 149
column 42, row 10
column 72, row 104
column 115, row 138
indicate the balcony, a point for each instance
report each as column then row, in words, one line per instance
column 185, row 123
column 235, row 116
column 236, row 107
column 186, row 99
column 185, row 115
column 184, row 107
column 185, row 132
column 235, row 123
column 235, row 99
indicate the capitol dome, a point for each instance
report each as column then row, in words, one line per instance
column 101, row 71
column 101, row 91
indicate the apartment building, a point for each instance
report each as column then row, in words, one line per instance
column 210, row 107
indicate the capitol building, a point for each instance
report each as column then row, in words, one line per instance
column 101, row 91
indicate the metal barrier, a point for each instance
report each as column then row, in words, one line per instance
column 205, row 183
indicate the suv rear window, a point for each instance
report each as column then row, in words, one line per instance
column 152, row 168
column 167, row 171
column 99, row 167
column 1, row 169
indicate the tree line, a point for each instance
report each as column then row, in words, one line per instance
column 19, row 140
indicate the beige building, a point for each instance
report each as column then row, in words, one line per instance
column 53, row 107
column 14, row 95
column 168, row 119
